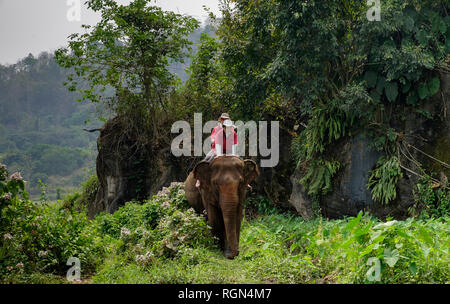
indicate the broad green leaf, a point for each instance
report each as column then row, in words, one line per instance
column 422, row 37
column 423, row 91
column 406, row 87
column 413, row 268
column 353, row 222
column 371, row 78
column 373, row 274
column 391, row 256
column 435, row 22
column 364, row 230
column 411, row 12
column 385, row 225
column 391, row 90
column 405, row 234
column 367, row 250
column 425, row 236
column 442, row 26
column 378, row 237
column 425, row 251
column 374, row 95
column 381, row 82
column 433, row 85
column 412, row 98
column 409, row 23
column 294, row 246
column 398, row 245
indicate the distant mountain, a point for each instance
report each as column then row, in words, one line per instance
column 41, row 123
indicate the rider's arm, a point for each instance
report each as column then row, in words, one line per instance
column 235, row 143
column 219, row 150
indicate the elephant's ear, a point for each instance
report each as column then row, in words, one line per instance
column 251, row 171
column 202, row 172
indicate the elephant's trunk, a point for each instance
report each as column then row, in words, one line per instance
column 229, row 202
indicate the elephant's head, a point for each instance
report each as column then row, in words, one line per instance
column 223, row 184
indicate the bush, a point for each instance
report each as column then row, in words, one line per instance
column 261, row 205
column 159, row 228
column 430, row 202
column 39, row 238
column 363, row 250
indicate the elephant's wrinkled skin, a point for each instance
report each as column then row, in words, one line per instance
column 223, row 185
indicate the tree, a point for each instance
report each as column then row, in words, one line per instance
column 129, row 50
column 329, row 68
column 204, row 71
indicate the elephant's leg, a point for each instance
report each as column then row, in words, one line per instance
column 239, row 216
column 229, row 205
column 215, row 220
column 229, row 217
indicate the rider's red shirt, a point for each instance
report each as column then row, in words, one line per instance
column 213, row 136
column 225, row 142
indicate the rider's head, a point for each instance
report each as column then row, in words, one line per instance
column 223, row 117
column 228, row 125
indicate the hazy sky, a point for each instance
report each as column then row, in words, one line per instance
column 33, row 26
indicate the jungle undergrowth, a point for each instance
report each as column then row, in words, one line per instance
column 162, row 240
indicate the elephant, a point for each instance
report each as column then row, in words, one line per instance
column 223, row 185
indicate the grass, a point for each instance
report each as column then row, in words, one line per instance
column 284, row 249
column 162, row 240
column 264, row 258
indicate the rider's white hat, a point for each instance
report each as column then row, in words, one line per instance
column 228, row 123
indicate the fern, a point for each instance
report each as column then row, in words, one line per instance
column 383, row 180
column 318, row 178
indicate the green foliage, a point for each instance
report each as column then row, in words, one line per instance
column 315, row 251
column 206, row 89
column 10, row 189
column 45, row 162
column 200, row 86
column 324, row 64
column 262, row 205
column 81, row 198
column 293, row 40
column 164, row 241
column 326, row 126
column 41, row 126
column 129, row 50
column 318, row 178
column 430, row 201
column 39, row 238
column 159, row 228
column 49, row 159
column 409, row 251
column 383, row 180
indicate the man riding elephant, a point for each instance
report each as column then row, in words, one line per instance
column 224, row 123
column 222, row 191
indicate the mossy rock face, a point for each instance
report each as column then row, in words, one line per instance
column 127, row 171
column 440, row 150
column 439, row 144
column 420, row 134
column 275, row 183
